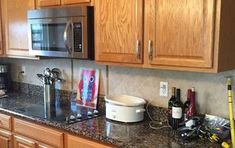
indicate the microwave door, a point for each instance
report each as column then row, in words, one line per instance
column 47, row 37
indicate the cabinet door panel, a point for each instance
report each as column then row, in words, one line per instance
column 76, row 142
column 47, row 3
column 45, row 146
column 50, row 136
column 5, row 121
column 21, row 142
column 1, row 42
column 5, row 139
column 181, row 32
column 67, row 2
column 16, row 26
column 118, row 27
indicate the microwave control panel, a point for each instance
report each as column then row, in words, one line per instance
column 77, row 37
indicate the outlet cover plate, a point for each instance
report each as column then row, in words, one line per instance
column 164, row 89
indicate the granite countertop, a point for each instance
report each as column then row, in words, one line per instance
column 100, row 129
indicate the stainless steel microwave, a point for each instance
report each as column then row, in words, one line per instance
column 62, row 32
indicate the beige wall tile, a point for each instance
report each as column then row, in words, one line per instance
column 211, row 88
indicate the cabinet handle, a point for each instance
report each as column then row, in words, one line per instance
column 150, row 49
column 138, row 49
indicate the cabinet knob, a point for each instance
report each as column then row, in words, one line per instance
column 138, row 50
column 150, row 50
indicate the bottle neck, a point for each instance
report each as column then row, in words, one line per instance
column 178, row 94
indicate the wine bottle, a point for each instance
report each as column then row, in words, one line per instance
column 186, row 104
column 177, row 111
column 170, row 104
column 192, row 106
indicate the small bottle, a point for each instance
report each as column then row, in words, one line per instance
column 177, row 111
column 192, row 106
column 186, row 104
column 170, row 104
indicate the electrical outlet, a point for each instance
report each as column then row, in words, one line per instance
column 23, row 70
column 164, row 89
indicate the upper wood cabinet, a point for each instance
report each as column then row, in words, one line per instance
column 47, row 3
column 119, row 31
column 188, row 35
column 14, row 15
column 180, row 32
column 1, row 41
column 69, row 2
column 51, row 3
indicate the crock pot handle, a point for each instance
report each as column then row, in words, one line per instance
column 140, row 110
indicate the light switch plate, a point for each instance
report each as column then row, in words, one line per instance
column 164, row 89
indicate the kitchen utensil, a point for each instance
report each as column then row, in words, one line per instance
column 48, row 78
column 125, row 108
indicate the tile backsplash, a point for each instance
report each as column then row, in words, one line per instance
column 210, row 88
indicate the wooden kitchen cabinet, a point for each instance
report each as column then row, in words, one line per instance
column 5, row 139
column 47, row 3
column 52, row 3
column 15, row 26
column 119, row 31
column 1, row 41
column 69, row 2
column 76, row 142
column 5, row 131
column 187, row 35
column 22, row 142
column 180, row 32
column 51, row 138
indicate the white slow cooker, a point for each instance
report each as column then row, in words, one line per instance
column 125, row 108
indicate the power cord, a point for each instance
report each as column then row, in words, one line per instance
column 154, row 124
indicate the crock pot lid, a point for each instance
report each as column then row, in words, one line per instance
column 125, row 100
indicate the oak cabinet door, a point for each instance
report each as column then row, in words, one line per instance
column 179, row 32
column 118, row 31
column 15, row 26
column 21, row 142
column 44, row 146
column 68, row 2
column 5, row 139
column 1, row 42
column 47, row 3
column 77, row 142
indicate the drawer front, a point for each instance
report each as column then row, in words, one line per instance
column 76, row 142
column 39, row 133
column 5, row 121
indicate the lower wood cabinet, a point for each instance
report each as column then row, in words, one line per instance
column 5, row 139
column 17, row 133
column 77, row 142
column 22, row 142
column 48, row 137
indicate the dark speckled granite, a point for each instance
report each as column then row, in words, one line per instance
column 136, row 135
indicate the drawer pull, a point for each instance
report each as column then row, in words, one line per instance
column 150, row 50
column 138, row 49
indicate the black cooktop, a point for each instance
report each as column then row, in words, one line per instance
column 66, row 114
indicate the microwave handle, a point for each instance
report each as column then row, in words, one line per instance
column 67, row 45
